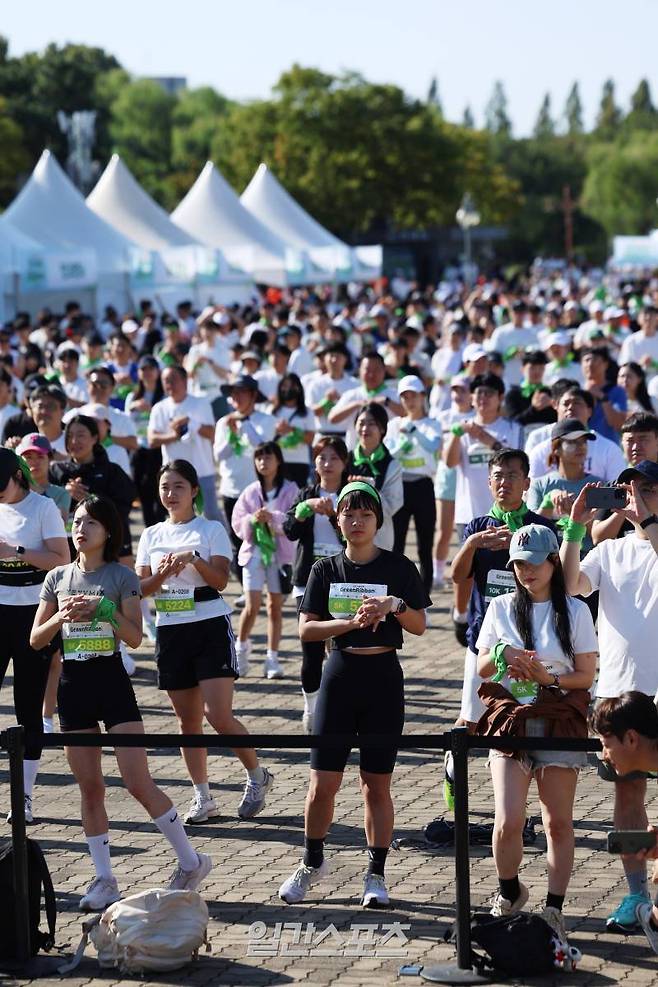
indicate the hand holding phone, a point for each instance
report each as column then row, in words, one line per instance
column 631, row 841
column 606, row 498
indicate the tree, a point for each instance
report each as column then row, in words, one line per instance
column 609, row 115
column 620, row 189
column 433, row 97
column 468, row 119
column 544, row 126
column 643, row 114
column 496, row 120
column 573, row 112
column 14, row 158
column 140, row 128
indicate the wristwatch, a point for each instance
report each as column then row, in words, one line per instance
column 652, row 519
column 556, row 682
column 401, row 607
column 20, row 550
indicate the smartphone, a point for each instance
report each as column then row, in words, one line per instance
column 606, row 497
column 630, row 840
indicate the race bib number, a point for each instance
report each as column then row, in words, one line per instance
column 524, row 692
column 82, row 643
column 412, row 464
column 175, row 599
column 346, row 598
column 323, row 550
column 499, row 582
column 479, row 454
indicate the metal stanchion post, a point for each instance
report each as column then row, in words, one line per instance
column 15, row 744
column 463, row 972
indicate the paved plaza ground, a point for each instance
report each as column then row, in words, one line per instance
column 250, row 945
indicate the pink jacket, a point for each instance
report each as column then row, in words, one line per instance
column 249, row 501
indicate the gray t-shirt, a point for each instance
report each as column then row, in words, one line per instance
column 115, row 581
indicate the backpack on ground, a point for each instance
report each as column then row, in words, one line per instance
column 152, row 930
column 38, row 883
column 518, row 945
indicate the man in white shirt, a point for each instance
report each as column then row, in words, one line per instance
column 67, row 365
column 208, row 365
column 561, row 362
column 604, row 457
column 511, row 339
column 7, row 409
column 625, row 573
column 100, row 384
column 372, row 387
column 301, row 360
column 183, row 426
column 321, row 393
column 269, row 377
column 642, row 346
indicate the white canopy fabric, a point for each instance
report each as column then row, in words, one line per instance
column 212, row 212
column 50, row 209
column 269, row 202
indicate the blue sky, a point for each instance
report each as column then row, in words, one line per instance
column 241, row 48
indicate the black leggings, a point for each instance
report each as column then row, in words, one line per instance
column 419, row 504
column 229, row 505
column 313, row 655
column 30, row 673
column 145, row 465
column 360, row 694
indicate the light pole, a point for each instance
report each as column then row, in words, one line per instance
column 468, row 217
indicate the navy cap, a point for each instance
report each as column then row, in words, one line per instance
column 647, row 470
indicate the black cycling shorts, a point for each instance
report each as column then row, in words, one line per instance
column 359, row 694
column 189, row 653
column 96, row 691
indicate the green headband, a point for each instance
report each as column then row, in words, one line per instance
column 359, row 486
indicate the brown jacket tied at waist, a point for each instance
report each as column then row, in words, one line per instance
column 565, row 714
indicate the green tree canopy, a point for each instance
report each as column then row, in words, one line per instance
column 544, row 125
column 573, row 112
column 643, row 114
column 620, row 189
column 609, row 115
column 496, row 117
column 140, row 129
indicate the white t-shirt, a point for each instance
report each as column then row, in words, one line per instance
column 527, row 337
column 473, row 497
column 191, row 446
column 499, row 625
column 28, row 523
column 268, row 382
column 301, row 452
column 418, row 451
column 604, row 458
column 445, row 364
column 7, row 412
column 636, row 346
column 175, row 602
column 237, row 471
column 316, row 389
column 625, row 572
column 121, row 425
column 75, row 390
column 389, row 390
column 300, row 362
column 204, row 382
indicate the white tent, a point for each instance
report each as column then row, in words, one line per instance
column 184, row 264
column 267, row 199
column 634, row 252
column 21, row 261
column 82, row 251
column 213, row 213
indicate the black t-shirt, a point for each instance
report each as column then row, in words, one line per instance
column 336, row 587
column 491, row 577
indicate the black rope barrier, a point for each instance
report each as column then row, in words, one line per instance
column 457, row 740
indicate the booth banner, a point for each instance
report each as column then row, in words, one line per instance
column 179, row 263
column 207, row 264
column 634, row 251
column 141, row 266
column 59, row 271
column 295, row 263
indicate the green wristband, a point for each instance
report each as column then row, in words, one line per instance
column 498, row 658
column 572, row 531
column 302, row 511
column 327, row 405
column 457, row 430
column 546, row 502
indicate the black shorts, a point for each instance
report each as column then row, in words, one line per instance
column 359, row 694
column 96, row 691
column 189, row 653
column 127, row 540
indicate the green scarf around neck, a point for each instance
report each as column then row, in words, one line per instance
column 528, row 389
column 363, row 459
column 513, row 519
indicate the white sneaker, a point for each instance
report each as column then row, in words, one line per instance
column 29, row 816
column 502, row 906
column 48, row 725
column 272, row 669
column 554, row 917
column 128, row 663
column 240, row 601
column 307, row 722
column 102, row 891
column 189, row 880
column 255, row 795
column 375, row 894
column 201, row 808
column 294, row 889
column 243, row 654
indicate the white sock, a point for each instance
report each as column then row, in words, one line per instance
column 439, row 566
column 257, row 775
column 461, row 618
column 310, row 701
column 99, row 848
column 30, row 772
column 242, row 646
column 202, row 789
column 272, row 655
column 450, row 766
column 171, row 828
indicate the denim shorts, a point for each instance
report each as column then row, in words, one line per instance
column 445, row 482
column 532, row 761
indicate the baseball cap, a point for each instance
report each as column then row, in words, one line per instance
column 378, row 311
column 461, row 380
column 221, row 319
column 34, row 442
column 98, row 411
column 251, row 355
column 129, row 326
column 473, row 352
column 557, row 339
column 247, row 383
column 67, row 347
column 571, row 428
column 148, row 361
column 647, row 470
column 411, row 383
column 533, row 543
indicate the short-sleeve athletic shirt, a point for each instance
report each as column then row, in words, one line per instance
column 336, row 587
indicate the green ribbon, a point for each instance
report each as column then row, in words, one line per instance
column 513, row 519
column 326, row 406
column 375, row 391
column 547, row 501
column 363, row 459
column 237, row 444
column 105, row 611
column 498, row 658
column 528, row 389
column 25, row 470
column 265, row 542
column 107, row 442
column 457, row 430
column 303, row 511
column 510, row 353
column 569, row 358
column 199, row 502
column 406, row 446
column 571, row 530
column 291, row 439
